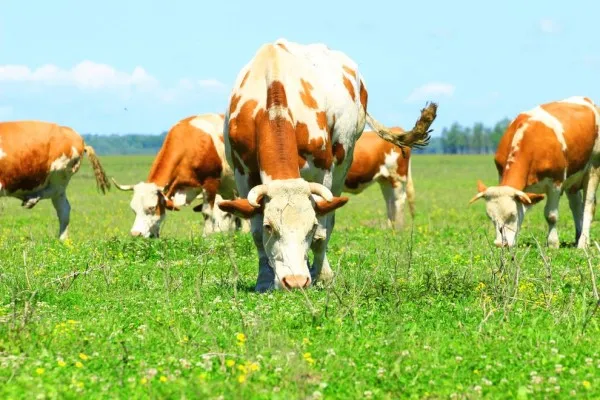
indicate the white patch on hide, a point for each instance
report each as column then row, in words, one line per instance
column 515, row 145
column 543, row 116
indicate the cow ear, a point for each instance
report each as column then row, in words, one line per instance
column 323, row 207
column 534, row 197
column 240, row 208
column 481, row 186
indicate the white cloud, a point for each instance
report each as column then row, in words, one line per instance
column 211, row 83
column 189, row 87
column 89, row 75
column 431, row 91
column 85, row 75
column 548, row 25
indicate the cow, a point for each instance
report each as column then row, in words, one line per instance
column 377, row 160
column 38, row 160
column 294, row 115
column 550, row 149
column 189, row 165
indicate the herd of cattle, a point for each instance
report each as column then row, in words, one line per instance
column 290, row 142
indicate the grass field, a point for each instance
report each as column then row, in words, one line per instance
column 436, row 314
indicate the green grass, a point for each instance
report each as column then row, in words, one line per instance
column 440, row 315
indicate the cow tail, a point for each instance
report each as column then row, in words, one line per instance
column 101, row 179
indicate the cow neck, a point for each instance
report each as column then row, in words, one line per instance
column 276, row 137
column 162, row 170
column 516, row 175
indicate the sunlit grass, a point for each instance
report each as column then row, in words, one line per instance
column 431, row 312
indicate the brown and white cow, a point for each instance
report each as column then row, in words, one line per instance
column 550, row 149
column 189, row 165
column 294, row 116
column 377, row 160
column 37, row 161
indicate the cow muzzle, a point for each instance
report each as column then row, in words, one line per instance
column 295, row 282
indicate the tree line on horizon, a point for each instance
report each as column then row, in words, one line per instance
column 456, row 139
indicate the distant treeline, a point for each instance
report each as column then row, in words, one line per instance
column 457, row 139
column 130, row 143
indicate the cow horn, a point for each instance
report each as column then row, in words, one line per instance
column 317, row 188
column 122, row 187
column 255, row 193
column 477, row 197
column 523, row 195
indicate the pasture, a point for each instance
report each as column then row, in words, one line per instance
column 435, row 311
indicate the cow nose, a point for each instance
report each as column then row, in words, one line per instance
column 136, row 233
column 295, row 281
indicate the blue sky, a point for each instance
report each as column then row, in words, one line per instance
column 82, row 63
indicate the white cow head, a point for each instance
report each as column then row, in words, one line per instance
column 149, row 204
column 505, row 207
column 289, row 224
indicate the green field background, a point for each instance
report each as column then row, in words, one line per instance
column 434, row 311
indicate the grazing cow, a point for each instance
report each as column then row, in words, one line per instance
column 550, row 149
column 294, row 116
column 37, row 161
column 190, row 164
column 377, row 160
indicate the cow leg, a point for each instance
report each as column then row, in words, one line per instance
column 551, row 214
column 576, row 205
column 589, row 197
column 30, row 201
column 321, row 270
column 63, row 211
column 208, row 210
column 266, row 276
column 242, row 224
column 395, row 198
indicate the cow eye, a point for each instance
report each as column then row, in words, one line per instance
column 268, row 228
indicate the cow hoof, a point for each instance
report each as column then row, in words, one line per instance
column 554, row 245
column 30, row 203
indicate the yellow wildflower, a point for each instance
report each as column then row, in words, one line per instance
column 143, row 381
column 202, row 377
column 308, row 358
column 61, row 363
column 40, row 371
column 230, row 363
column 78, row 364
column 242, row 368
column 253, row 367
column 163, row 378
column 240, row 337
column 83, row 356
column 587, row 384
column 242, row 378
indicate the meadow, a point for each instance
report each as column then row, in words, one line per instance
column 434, row 311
